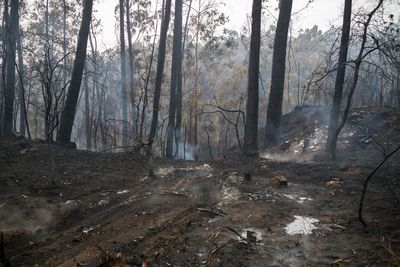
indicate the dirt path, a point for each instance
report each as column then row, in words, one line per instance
column 63, row 207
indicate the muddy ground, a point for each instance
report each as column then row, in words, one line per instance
column 65, row 207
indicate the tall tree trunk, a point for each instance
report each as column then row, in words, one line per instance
column 340, row 75
column 274, row 110
column 131, row 78
column 176, row 68
column 124, row 92
column 68, row 115
column 160, row 70
column 10, row 83
column 64, row 45
column 251, row 127
column 93, row 46
column 21, row 95
column 193, row 140
column 179, row 88
column 195, row 97
column 5, row 27
column 146, row 87
column 88, row 128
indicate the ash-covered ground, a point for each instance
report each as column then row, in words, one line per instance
column 290, row 207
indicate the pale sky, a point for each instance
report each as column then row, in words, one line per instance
column 320, row 12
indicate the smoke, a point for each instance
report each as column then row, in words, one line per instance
column 16, row 219
column 186, row 152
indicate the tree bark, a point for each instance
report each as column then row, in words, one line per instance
column 160, row 70
column 251, row 127
column 274, row 110
column 68, row 115
column 340, row 75
column 9, row 95
column 176, row 68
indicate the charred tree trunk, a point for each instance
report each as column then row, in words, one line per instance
column 68, row 115
column 340, row 76
column 146, row 88
column 274, row 111
column 95, row 90
column 160, row 70
column 65, row 41
column 124, row 92
column 131, row 71
column 179, row 88
column 22, row 106
column 88, row 128
column 5, row 27
column 9, row 95
column 251, row 127
column 176, row 68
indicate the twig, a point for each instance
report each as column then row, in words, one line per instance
column 219, row 213
column 390, row 250
column 231, row 241
column 210, row 256
column 360, row 218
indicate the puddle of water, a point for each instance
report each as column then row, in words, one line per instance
column 301, row 226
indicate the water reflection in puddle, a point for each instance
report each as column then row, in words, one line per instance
column 301, row 225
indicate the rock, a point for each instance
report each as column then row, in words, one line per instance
column 251, row 236
column 279, row 181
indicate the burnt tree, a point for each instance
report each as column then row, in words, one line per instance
column 251, row 126
column 340, row 76
column 274, row 110
column 130, row 70
column 160, row 69
column 124, row 92
column 9, row 94
column 175, row 70
column 68, row 115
